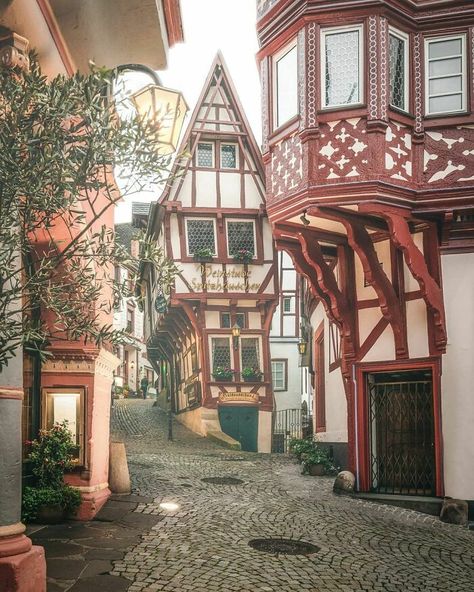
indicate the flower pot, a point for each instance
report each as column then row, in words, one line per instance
column 252, row 378
column 317, row 470
column 222, row 379
column 50, row 514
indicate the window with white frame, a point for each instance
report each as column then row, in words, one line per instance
column 279, row 375
column 285, row 82
column 398, row 67
column 341, row 66
column 287, row 304
column 228, row 156
column 201, row 235
column 240, row 236
column 205, row 154
column 249, row 352
column 220, row 352
column 445, row 72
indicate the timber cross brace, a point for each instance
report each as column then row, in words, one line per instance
column 402, row 238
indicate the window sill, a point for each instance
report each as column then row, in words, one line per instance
column 284, row 130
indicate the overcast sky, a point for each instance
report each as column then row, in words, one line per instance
column 210, row 25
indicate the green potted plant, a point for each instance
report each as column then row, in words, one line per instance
column 50, row 499
column 223, row 374
column 250, row 374
column 203, row 255
column 300, row 447
column 243, row 256
column 317, row 462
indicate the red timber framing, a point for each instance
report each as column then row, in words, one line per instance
column 320, row 383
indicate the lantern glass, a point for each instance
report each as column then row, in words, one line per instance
column 302, row 347
column 236, row 331
column 166, row 110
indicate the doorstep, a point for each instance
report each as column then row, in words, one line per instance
column 426, row 505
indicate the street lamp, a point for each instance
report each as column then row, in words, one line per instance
column 235, row 336
column 165, row 109
column 302, row 345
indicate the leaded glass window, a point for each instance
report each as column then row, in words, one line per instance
column 249, row 352
column 205, row 154
column 445, row 75
column 398, row 70
column 228, row 156
column 220, row 352
column 286, row 85
column 341, row 57
column 201, row 235
column 240, row 235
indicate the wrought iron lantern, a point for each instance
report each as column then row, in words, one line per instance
column 302, row 346
column 235, row 336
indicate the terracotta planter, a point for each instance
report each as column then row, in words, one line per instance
column 317, row 470
column 50, row 514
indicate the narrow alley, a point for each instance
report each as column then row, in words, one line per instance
column 202, row 543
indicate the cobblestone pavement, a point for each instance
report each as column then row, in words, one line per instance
column 202, row 544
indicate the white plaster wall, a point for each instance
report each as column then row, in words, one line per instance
column 192, row 420
column 264, row 431
column 175, row 240
column 230, row 189
column 252, row 196
column 417, row 329
column 287, row 349
column 206, row 192
column 458, row 376
column 185, row 191
column 336, row 406
column 212, row 319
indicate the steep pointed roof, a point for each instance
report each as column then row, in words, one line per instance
column 218, row 91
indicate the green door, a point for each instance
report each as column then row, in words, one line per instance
column 240, row 423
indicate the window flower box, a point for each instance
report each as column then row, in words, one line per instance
column 243, row 256
column 223, row 374
column 252, row 375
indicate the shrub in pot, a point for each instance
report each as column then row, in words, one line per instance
column 50, row 499
column 300, row 447
column 317, row 462
column 243, row 256
column 203, row 255
column 252, row 375
column 223, row 374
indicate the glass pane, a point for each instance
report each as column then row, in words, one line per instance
column 228, row 160
column 446, row 104
column 204, row 155
column 440, row 86
column 249, row 352
column 443, row 67
column 200, row 235
column 225, row 320
column 445, row 48
column 287, row 86
column 240, row 235
column 342, row 68
column 397, row 72
column 220, row 352
column 240, row 319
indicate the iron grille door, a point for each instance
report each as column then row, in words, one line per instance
column 402, row 455
column 289, row 424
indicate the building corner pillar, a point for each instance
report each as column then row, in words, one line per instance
column 22, row 565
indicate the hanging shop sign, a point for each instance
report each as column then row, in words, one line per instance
column 244, row 397
column 161, row 304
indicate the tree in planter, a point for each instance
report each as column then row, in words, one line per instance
column 60, row 143
column 51, row 455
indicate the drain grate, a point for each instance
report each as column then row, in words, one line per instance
column 222, row 480
column 283, row 546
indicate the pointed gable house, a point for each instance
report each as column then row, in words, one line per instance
column 210, row 336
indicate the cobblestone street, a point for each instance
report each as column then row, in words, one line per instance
column 202, row 545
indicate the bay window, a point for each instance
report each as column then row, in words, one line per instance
column 445, row 74
column 341, row 66
column 285, row 81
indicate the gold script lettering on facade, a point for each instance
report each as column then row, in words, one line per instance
column 220, row 280
column 244, row 397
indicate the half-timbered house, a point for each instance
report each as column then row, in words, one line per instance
column 368, row 145
column 210, row 337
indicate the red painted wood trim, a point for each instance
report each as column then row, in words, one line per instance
column 56, row 34
column 174, row 25
column 372, row 337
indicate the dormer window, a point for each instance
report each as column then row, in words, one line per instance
column 398, row 55
column 341, row 66
column 445, row 71
column 228, row 156
column 205, row 154
column 285, row 84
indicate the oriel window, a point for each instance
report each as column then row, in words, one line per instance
column 285, row 82
column 398, row 55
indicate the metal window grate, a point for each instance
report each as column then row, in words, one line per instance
column 200, row 235
column 220, row 352
column 240, row 235
column 397, row 72
column 205, row 155
column 402, row 437
column 249, row 352
column 228, row 156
